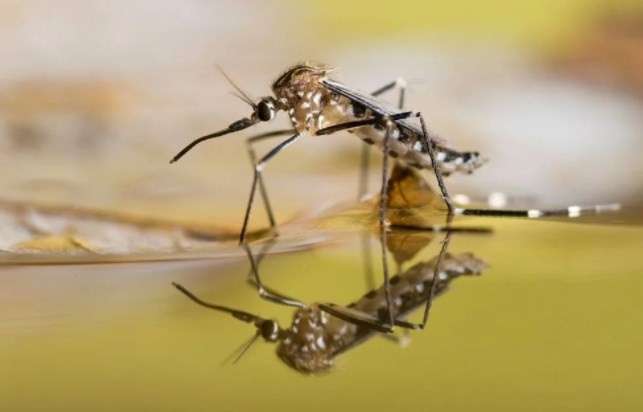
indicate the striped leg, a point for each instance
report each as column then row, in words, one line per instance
column 571, row 211
column 428, row 145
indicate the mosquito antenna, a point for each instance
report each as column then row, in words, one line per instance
column 245, row 98
column 241, row 350
column 238, row 96
column 241, row 315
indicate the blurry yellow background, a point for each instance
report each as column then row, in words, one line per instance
column 546, row 24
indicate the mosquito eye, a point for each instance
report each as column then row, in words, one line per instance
column 269, row 330
column 265, row 111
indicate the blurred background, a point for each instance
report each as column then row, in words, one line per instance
column 96, row 97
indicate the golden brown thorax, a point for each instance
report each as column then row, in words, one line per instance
column 310, row 105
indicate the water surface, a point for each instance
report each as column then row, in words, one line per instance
column 553, row 322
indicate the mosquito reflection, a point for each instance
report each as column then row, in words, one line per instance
column 321, row 331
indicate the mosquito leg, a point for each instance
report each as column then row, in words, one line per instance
column 357, row 317
column 434, row 287
column 360, row 318
column 376, row 324
column 401, row 83
column 253, row 159
column 436, row 278
column 264, row 293
column 571, row 211
column 428, row 145
column 363, row 180
column 257, row 176
column 366, row 149
column 383, row 223
column 263, row 252
column 361, row 123
column 252, row 279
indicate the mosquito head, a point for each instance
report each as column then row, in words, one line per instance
column 265, row 109
column 262, row 111
column 269, row 330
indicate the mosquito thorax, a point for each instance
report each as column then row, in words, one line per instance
column 307, row 345
column 298, row 84
column 297, row 76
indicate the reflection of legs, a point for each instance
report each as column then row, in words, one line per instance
column 383, row 223
column 436, row 278
column 264, row 293
column 257, row 176
column 363, row 181
column 366, row 149
column 253, row 159
column 358, row 317
column 376, row 324
column 251, row 278
column 364, row 319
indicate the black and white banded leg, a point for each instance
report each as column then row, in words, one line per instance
column 428, row 146
column 571, row 211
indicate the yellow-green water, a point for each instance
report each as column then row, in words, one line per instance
column 553, row 323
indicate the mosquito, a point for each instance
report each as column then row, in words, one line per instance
column 318, row 106
column 322, row 331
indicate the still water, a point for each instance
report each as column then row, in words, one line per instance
column 551, row 322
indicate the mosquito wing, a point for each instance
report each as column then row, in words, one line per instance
column 376, row 106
